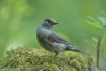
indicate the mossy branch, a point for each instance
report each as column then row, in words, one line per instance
column 27, row 59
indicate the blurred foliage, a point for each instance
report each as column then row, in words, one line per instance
column 27, row 59
column 20, row 18
column 99, row 42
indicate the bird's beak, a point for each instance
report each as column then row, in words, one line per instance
column 56, row 23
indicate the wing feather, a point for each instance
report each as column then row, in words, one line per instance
column 56, row 38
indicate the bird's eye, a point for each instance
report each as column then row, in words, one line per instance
column 48, row 20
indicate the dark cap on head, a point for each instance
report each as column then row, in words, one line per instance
column 51, row 20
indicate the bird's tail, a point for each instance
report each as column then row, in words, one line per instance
column 76, row 50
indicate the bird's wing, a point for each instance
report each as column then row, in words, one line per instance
column 56, row 38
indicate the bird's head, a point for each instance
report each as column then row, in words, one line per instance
column 49, row 23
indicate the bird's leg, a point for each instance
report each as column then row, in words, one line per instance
column 56, row 53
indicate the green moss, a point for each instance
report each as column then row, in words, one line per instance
column 27, row 59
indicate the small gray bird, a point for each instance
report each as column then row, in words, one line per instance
column 51, row 41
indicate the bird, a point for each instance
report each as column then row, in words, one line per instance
column 51, row 41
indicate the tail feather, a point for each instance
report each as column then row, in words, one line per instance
column 76, row 50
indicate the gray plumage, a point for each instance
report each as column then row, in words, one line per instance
column 51, row 41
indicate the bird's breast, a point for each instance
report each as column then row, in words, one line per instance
column 43, row 32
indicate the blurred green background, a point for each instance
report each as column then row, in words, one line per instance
column 19, row 20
